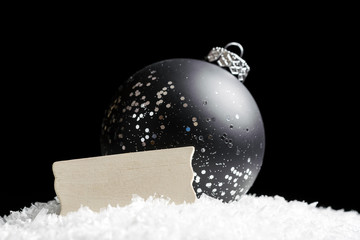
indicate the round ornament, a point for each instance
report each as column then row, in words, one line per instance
column 188, row 102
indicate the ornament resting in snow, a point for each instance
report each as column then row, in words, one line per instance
column 188, row 102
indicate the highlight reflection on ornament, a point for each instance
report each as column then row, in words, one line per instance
column 187, row 102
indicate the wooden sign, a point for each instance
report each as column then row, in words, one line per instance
column 113, row 179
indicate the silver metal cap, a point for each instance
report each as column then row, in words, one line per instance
column 230, row 60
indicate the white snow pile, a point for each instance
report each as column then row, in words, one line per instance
column 249, row 218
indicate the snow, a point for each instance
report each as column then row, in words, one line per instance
column 252, row 217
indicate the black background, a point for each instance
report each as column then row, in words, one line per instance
column 62, row 69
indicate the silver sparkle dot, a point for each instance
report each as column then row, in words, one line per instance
column 137, row 126
column 203, row 171
column 202, row 150
column 147, row 130
column 197, row 179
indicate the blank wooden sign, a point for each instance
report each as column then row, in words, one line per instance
column 113, row 179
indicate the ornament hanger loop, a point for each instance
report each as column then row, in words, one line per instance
column 227, row 59
column 236, row 45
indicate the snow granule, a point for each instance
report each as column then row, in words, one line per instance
column 250, row 218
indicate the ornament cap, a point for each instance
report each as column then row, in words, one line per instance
column 230, row 60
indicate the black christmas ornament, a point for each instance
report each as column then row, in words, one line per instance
column 187, row 102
